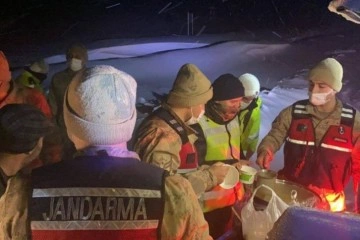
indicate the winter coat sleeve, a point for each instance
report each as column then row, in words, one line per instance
column 59, row 83
column 183, row 217
column 278, row 132
column 52, row 101
column 158, row 144
column 14, row 224
column 201, row 180
column 52, row 95
column 356, row 149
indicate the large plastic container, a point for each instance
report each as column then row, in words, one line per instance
column 305, row 223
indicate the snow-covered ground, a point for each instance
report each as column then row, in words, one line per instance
column 281, row 65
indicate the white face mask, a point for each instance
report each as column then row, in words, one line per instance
column 244, row 105
column 318, row 99
column 75, row 64
column 194, row 120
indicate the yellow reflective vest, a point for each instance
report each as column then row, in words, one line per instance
column 222, row 141
column 250, row 119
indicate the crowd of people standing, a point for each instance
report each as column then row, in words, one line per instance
column 71, row 168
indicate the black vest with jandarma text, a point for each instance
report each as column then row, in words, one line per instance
column 97, row 197
column 327, row 165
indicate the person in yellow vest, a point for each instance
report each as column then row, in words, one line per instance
column 219, row 141
column 250, row 115
column 34, row 75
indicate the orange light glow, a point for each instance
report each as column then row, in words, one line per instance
column 336, row 201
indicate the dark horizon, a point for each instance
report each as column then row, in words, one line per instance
column 37, row 24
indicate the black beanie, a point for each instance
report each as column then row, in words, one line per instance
column 227, row 87
column 21, row 127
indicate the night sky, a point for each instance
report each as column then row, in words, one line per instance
column 40, row 22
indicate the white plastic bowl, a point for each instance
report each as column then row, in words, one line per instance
column 231, row 178
column 247, row 174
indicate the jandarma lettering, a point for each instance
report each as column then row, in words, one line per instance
column 95, row 208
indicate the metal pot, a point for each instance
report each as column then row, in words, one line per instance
column 266, row 177
column 285, row 190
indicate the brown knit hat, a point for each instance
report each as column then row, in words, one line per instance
column 5, row 74
column 191, row 88
column 330, row 71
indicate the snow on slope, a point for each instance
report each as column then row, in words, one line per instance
column 280, row 66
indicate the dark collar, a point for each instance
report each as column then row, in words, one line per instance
column 3, row 182
column 212, row 113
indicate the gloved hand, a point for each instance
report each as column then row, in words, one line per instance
column 264, row 158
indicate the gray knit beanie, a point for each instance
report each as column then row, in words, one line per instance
column 191, row 88
column 99, row 106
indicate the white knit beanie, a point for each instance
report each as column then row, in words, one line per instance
column 99, row 106
column 329, row 71
column 251, row 84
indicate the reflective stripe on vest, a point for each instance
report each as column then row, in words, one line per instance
column 112, row 209
column 327, row 166
column 300, row 142
column 341, row 149
column 222, row 141
column 108, row 210
column 219, row 197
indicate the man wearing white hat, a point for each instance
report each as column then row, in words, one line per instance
column 106, row 192
column 250, row 115
column 321, row 135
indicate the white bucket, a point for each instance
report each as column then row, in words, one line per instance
column 247, row 174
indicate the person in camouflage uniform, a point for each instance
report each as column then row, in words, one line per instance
column 157, row 141
column 321, row 135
